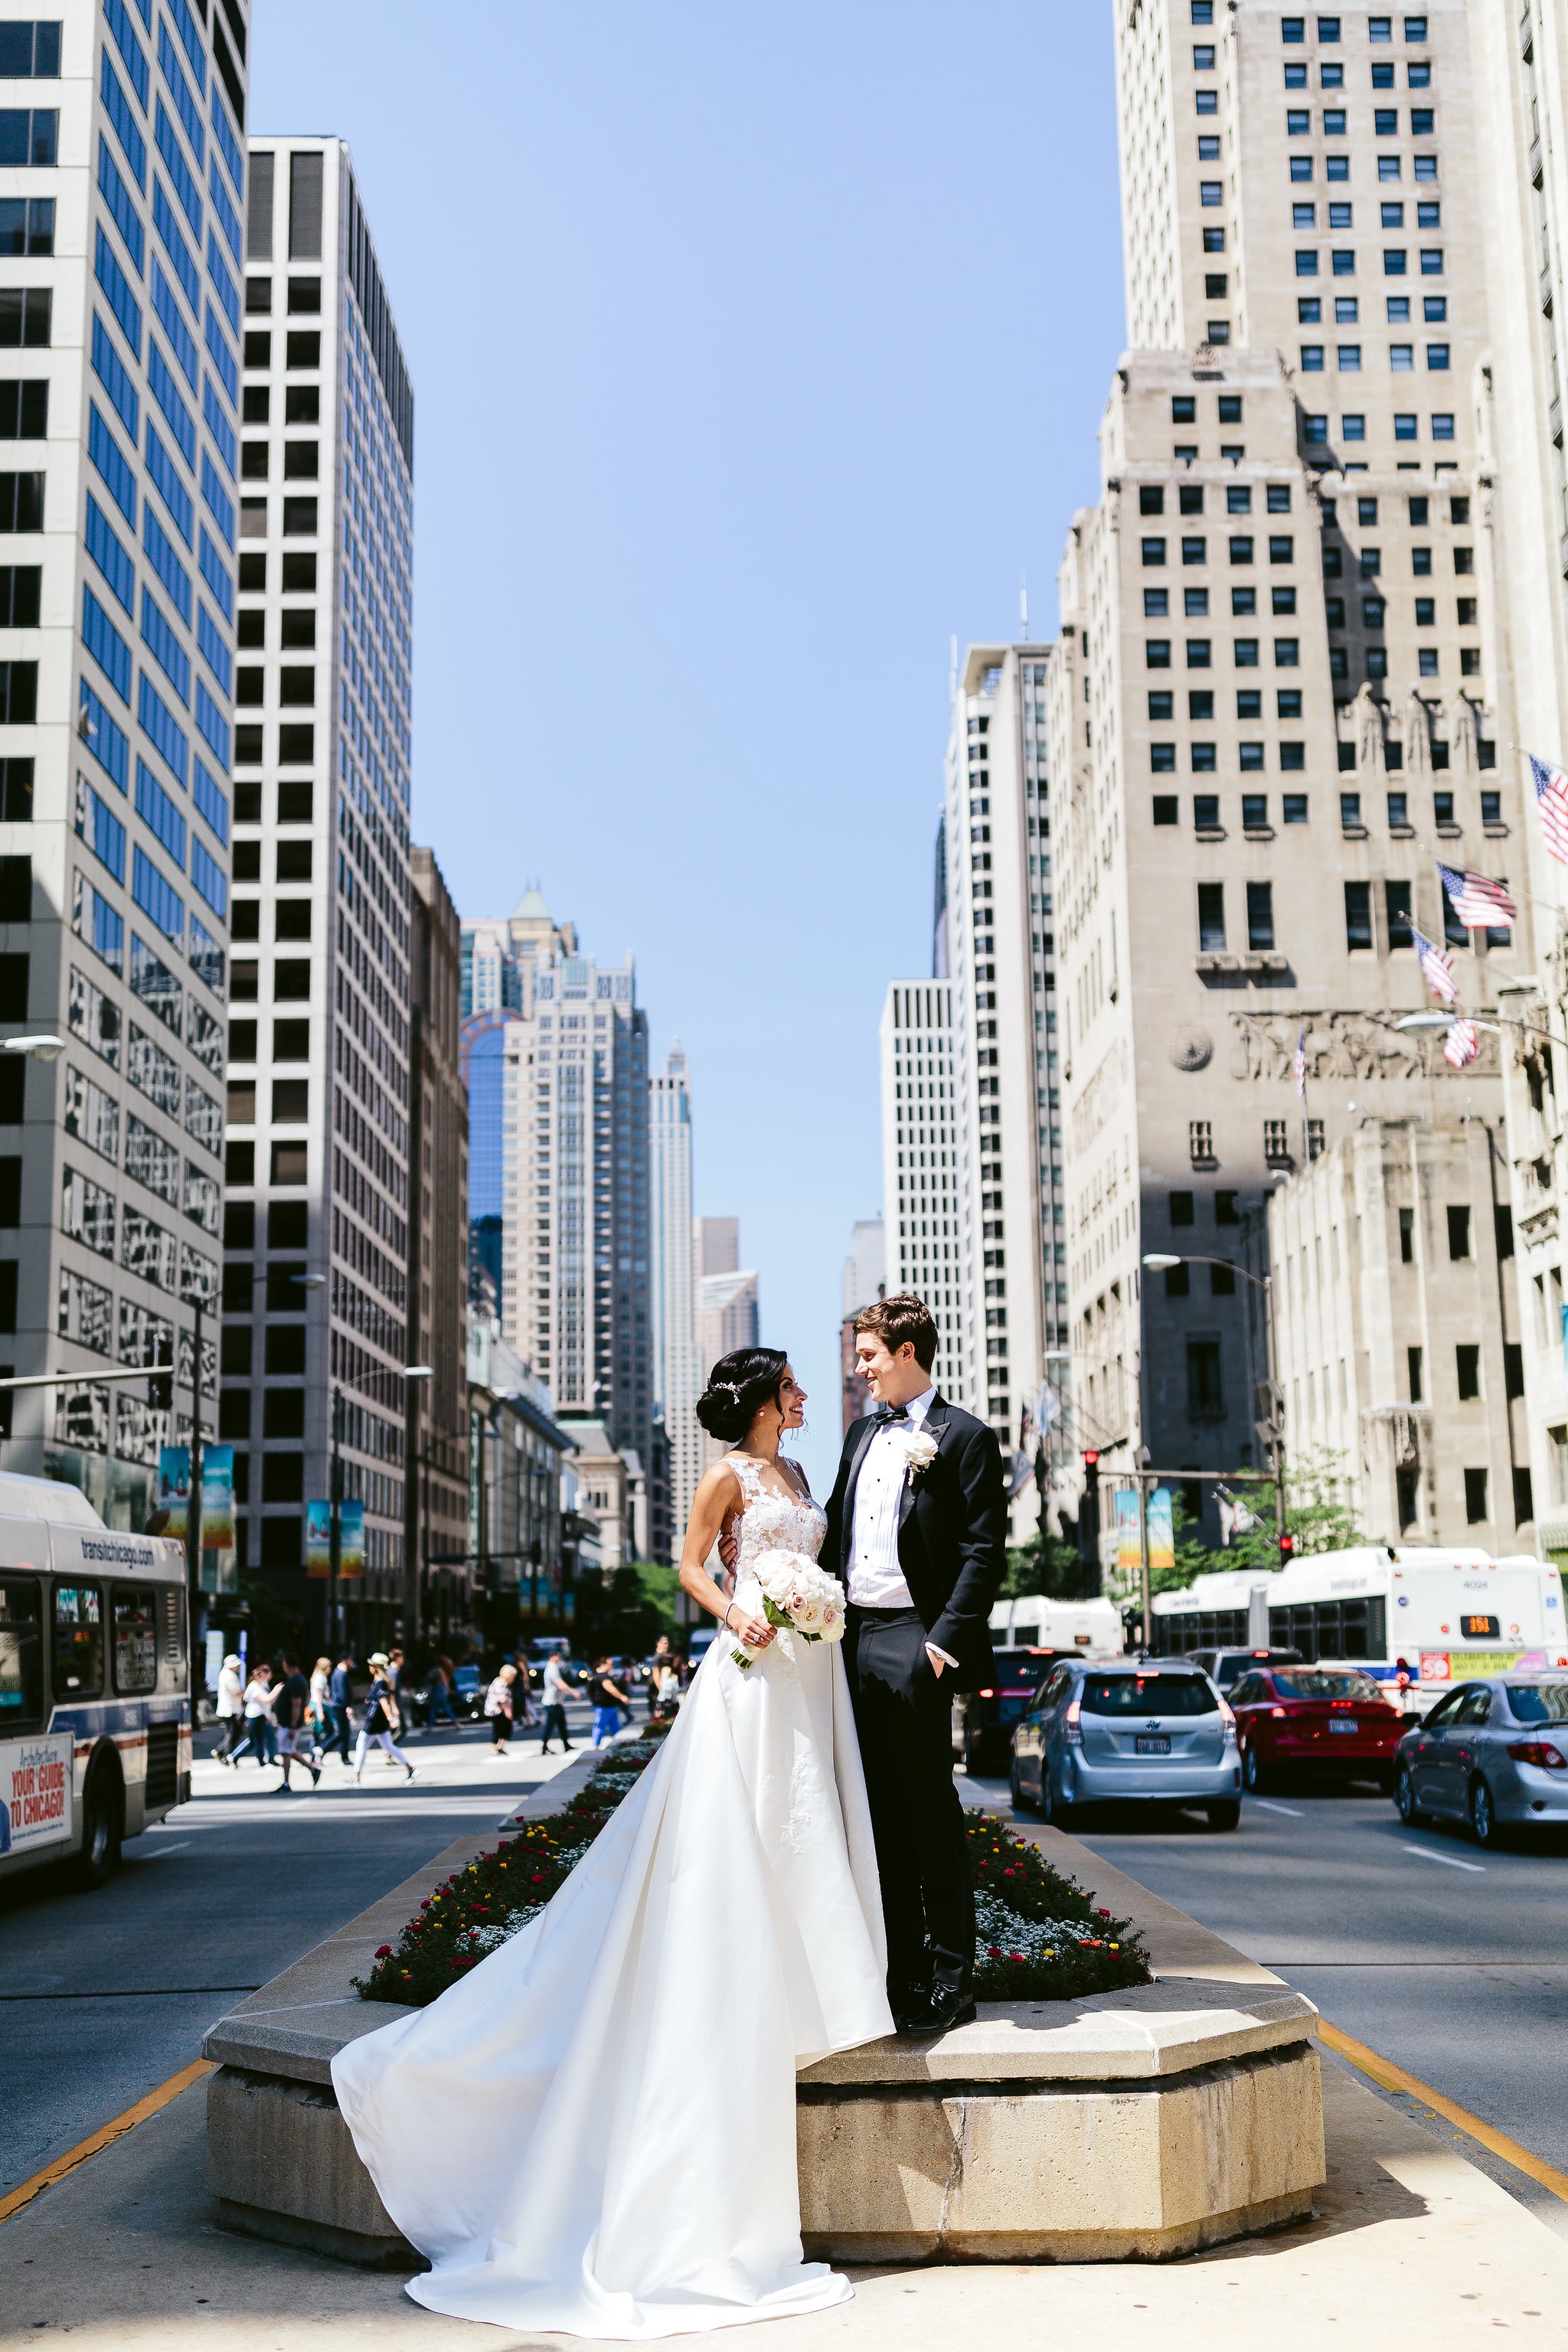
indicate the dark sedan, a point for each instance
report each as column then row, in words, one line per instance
column 1492, row 1753
column 1322, row 1722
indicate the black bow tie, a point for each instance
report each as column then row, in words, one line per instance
column 893, row 1412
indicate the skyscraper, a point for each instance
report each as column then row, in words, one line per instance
column 921, row 1152
column 120, row 308
column 438, row 1485
column 1280, row 686
column 677, row 1372
column 319, row 1087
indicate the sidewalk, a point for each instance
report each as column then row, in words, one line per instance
column 1410, row 2244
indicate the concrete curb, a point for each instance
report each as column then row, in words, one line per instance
column 1147, row 2122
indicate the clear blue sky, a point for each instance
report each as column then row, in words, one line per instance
column 758, row 350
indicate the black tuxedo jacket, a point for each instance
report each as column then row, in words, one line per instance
column 952, row 1531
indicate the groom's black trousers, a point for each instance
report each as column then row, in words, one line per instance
column 903, row 1715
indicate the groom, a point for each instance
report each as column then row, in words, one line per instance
column 917, row 1530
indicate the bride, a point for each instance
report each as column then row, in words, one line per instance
column 594, row 2132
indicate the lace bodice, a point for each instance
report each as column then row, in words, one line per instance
column 771, row 1521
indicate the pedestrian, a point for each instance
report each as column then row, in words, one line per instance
column 663, row 1681
column 438, row 1697
column 259, row 1729
column 554, row 1694
column 608, row 1701
column 230, row 1708
column 382, row 1718
column 402, row 1685
column 290, row 1704
column 339, row 1688
column 524, row 1714
column 498, row 1707
column 318, row 1715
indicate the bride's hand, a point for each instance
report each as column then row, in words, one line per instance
column 754, row 1632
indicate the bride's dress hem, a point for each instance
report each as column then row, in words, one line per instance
column 593, row 2132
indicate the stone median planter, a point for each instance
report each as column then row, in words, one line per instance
column 1144, row 2122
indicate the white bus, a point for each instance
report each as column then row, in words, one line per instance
column 1038, row 1624
column 1446, row 1613
column 95, row 1711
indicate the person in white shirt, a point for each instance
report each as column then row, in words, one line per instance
column 556, row 1692
column 230, row 1707
column 917, row 1528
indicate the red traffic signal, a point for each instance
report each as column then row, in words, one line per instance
column 1090, row 1460
column 1287, row 1551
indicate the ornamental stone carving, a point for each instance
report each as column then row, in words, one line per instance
column 1361, row 1047
column 1189, row 1049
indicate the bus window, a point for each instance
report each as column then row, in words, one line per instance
column 135, row 1643
column 172, row 1639
column 21, row 1653
column 78, row 1643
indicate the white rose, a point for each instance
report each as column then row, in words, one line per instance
column 809, row 1611
column 919, row 1451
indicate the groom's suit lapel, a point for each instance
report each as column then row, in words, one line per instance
column 935, row 1421
column 865, row 1433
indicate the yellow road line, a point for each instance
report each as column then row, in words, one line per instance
column 1395, row 2078
column 113, row 2131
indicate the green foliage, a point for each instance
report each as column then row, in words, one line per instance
column 1318, row 1513
column 1047, row 1563
column 626, row 1616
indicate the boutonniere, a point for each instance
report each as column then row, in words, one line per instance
column 919, row 1451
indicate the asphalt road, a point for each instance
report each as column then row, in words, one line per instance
column 1450, row 1961
column 104, row 1995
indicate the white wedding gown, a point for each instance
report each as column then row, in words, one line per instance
column 594, row 2132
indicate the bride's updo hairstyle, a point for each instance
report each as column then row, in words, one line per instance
column 738, row 1387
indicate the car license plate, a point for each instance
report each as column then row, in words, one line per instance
column 1153, row 1743
column 1340, row 1723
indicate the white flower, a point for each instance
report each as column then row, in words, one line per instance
column 805, row 1597
column 919, row 1451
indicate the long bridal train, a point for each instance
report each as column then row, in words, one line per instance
column 594, row 2131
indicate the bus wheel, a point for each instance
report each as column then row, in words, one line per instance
column 102, row 1825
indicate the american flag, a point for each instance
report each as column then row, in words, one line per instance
column 1480, row 905
column 1461, row 1045
column 1301, row 1062
column 1436, row 969
column 1552, row 800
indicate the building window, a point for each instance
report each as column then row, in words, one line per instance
column 1277, row 1142
column 1200, row 1147
column 1206, row 1395
column 1259, row 916
column 1396, row 907
column 1459, row 1232
column 1358, row 916
column 1294, row 807
column 1211, row 918
column 1475, row 1498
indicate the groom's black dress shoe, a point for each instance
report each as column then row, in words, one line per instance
column 943, row 2009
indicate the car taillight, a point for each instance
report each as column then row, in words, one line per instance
column 1538, row 1752
column 1074, row 1726
column 986, row 1694
column 1277, row 1713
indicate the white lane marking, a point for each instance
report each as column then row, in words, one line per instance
column 1448, row 1861
column 1290, row 1811
column 160, row 1849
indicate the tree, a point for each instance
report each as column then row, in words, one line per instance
column 1318, row 1515
column 1048, row 1564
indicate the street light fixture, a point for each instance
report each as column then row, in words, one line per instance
column 42, row 1049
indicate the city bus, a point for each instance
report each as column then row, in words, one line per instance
column 1446, row 1613
column 95, row 1712
column 1037, row 1623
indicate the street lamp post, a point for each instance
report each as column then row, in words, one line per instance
column 1157, row 1262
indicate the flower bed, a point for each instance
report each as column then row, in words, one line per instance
column 1039, row 1936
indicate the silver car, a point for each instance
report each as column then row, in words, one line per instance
column 1138, row 1732
column 1492, row 1753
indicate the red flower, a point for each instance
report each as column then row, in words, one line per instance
column 384, row 1951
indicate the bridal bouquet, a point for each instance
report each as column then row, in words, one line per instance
column 798, row 1596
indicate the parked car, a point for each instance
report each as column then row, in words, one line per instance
column 1326, row 1721
column 468, row 1691
column 1224, row 1667
column 1493, row 1752
column 982, row 1720
column 1144, row 1732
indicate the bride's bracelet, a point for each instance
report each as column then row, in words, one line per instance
column 728, row 1627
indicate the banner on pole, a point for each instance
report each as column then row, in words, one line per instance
column 1162, row 1530
column 351, row 1539
column 174, row 1489
column 1129, row 1550
column 217, row 1498
column 317, row 1538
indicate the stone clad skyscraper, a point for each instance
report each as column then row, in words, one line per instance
column 1279, row 688
column 673, row 1282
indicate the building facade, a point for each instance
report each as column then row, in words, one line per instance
column 1001, row 952
column 922, row 1177
column 437, row 1489
column 121, row 310
column 1281, row 681
column 316, row 1274
column 679, row 1458
column 520, row 1569
column 1396, row 1321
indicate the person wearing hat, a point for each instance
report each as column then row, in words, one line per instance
column 382, row 1719
column 230, row 1707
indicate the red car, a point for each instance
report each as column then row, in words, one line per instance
column 1317, row 1720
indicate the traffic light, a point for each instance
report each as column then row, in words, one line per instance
column 1287, row 1551
column 161, row 1387
column 1089, row 1527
